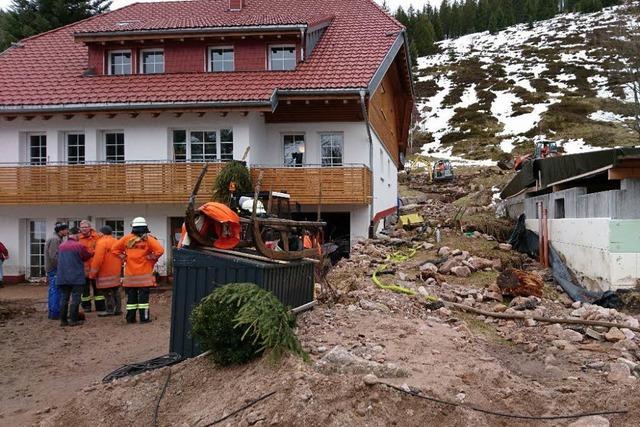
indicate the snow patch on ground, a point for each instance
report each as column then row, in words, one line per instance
column 607, row 116
column 575, row 146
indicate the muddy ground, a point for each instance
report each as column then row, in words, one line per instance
column 42, row 365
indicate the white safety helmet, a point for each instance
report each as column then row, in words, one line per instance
column 246, row 204
column 139, row 222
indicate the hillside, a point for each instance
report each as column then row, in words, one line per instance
column 486, row 96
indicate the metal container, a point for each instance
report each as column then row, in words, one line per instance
column 197, row 273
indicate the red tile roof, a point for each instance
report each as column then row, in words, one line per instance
column 47, row 68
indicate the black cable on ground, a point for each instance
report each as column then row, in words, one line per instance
column 164, row 389
column 503, row 414
column 248, row 405
column 148, row 365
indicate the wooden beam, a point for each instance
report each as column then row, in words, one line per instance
column 624, row 173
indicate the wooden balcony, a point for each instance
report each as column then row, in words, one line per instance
column 169, row 182
column 311, row 185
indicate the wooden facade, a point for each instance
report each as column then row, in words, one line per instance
column 390, row 108
column 169, row 182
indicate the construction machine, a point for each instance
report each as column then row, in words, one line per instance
column 543, row 149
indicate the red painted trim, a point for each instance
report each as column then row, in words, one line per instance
column 14, row 279
column 385, row 213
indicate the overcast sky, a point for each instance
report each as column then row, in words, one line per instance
column 393, row 4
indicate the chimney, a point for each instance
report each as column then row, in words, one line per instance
column 235, row 5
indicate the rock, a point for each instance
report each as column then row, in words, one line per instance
column 615, row 335
column 321, row 349
column 429, row 267
column 625, row 344
column 619, row 373
column 423, row 291
column 531, row 347
column 530, row 322
column 444, row 312
column 565, row 300
column 444, row 251
column 427, row 246
column 340, row 360
column 456, row 252
column 461, row 271
column 522, row 303
column 477, row 234
column 628, row 333
column 593, row 421
column 554, row 330
column 505, row 247
column 468, row 265
column 594, row 334
column 571, row 335
column 632, row 322
column 480, row 263
column 445, row 267
column 370, row 379
column 402, row 276
column 499, row 308
column 433, row 305
column 496, row 264
column 576, row 304
column 372, row 306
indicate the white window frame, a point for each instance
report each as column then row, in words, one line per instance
column 103, row 222
column 141, row 60
column 109, row 62
column 104, row 144
column 332, row 134
column 283, row 46
column 28, row 157
column 188, row 154
column 66, row 147
column 210, row 60
column 304, row 148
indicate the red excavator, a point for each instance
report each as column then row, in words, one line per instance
column 544, row 149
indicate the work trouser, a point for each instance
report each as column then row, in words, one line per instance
column 97, row 296
column 54, row 295
column 138, row 299
column 74, row 292
column 112, row 299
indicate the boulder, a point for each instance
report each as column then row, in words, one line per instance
column 461, row 271
column 516, row 282
column 615, row 335
column 571, row 335
column 429, row 267
column 480, row 263
column 619, row 373
column 445, row 267
column 444, row 251
column 505, row 247
column 340, row 360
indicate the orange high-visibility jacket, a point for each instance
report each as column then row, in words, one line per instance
column 105, row 265
column 89, row 242
column 141, row 255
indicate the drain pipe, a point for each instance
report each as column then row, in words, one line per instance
column 365, row 116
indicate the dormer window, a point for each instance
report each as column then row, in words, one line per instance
column 151, row 61
column 221, row 59
column 282, row 57
column 120, row 62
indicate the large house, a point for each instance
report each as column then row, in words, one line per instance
column 111, row 118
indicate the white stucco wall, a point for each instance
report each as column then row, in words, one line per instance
column 589, row 250
column 385, row 178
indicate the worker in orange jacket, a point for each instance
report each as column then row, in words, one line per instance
column 88, row 239
column 141, row 251
column 106, row 268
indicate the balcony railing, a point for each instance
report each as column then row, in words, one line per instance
column 171, row 182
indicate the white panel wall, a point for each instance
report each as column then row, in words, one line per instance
column 385, row 178
column 584, row 244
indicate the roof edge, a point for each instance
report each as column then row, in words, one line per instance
column 196, row 30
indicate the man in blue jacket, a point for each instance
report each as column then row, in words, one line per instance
column 70, row 279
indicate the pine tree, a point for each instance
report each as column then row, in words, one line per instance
column 28, row 17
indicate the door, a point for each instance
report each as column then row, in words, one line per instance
column 35, row 245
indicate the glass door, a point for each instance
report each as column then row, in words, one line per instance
column 37, row 237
